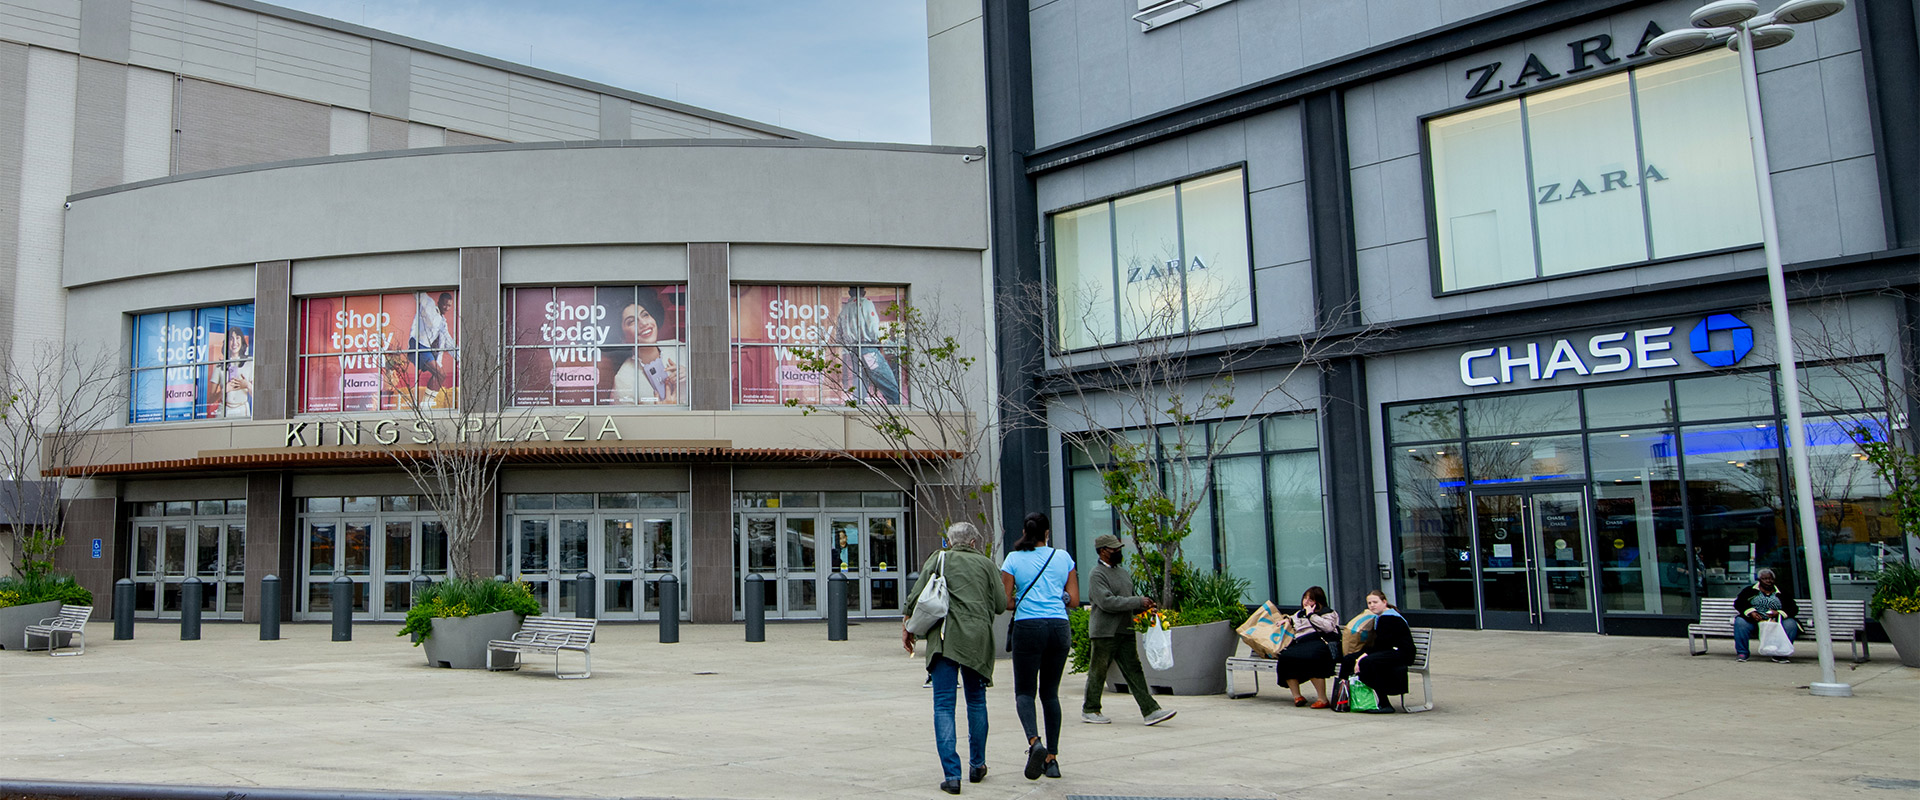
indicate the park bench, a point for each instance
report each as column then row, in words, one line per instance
column 1422, row 650
column 1847, row 617
column 61, row 631
column 548, row 635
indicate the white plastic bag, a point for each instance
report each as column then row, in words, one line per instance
column 1773, row 640
column 1157, row 644
column 931, row 607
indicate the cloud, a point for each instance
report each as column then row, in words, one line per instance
column 844, row 69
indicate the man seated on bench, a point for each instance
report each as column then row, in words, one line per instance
column 1757, row 603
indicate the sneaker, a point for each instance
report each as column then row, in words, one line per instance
column 1094, row 718
column 978, row 774
column 1160, row 716
column 1053, row 768
column 1782, row 660
column 1036, row 760
column 950, row 787
column 1742, row 659
column 928, row 684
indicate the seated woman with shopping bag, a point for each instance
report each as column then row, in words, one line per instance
column 1761, row 603
column 1315, row 645
column 1382, row 662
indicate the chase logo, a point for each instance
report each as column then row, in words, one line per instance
column 1700, row 340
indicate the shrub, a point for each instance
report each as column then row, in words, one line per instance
column 466, row 597
column 1082, row 652
column 1897, row 589
column 40, row 588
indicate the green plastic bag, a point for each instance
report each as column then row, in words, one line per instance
column 1363, row 696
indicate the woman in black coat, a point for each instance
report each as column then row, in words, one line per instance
column 1382, row 662
column 1316, row 643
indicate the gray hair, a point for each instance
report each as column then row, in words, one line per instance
column 964, row 535
column 1766, row 571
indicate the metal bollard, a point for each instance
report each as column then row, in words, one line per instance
column 123, row 609
column 270, row 608
column 192, row 591
column 837, row 607
column 669, row 588
column 755, row 606
column 583, row 605
column 342, row 608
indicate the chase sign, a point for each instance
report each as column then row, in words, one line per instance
column 1719, row 340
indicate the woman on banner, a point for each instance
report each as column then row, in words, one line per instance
column 647, row 374
column 238, row 369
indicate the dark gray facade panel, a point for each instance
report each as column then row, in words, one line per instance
column 458, row 139
column 99, row 126
column 710, row 531
column 1354, row 551
column 272, row 541
column 708, row 367
column 1336, row 283
column 223, row 126
column 480, row 325
column 106, row 29
column 274, row 329
column 1891, row 42
column 13, row 112
column 1016, row 247
column 90, row 518
column 390, row 78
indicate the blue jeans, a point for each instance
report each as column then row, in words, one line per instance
column 1744, row 629
column 944, row 672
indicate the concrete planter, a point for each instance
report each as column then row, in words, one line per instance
column 15, row 619
column 1200, row 654
column 1904, row 631
column 461, row 642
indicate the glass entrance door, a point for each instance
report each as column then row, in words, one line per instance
column 1532, row 558
column 784, row 551
column 549, row 552
column 866, row 548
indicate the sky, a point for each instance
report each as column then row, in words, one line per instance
column 844, row 69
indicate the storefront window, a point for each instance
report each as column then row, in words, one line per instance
column 1434, row 538
column 1734, row 488
column 1162, row 262
column 1261, row 514
column 202, row 539
column 1637, row 520
column 193, row 364
column 781, row 332
column 379, row 352
column 1648, row 164
column 596, row 345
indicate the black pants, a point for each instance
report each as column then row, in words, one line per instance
column 1040, row 648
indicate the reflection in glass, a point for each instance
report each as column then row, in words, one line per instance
column 355, row 547
column 1693, row 118
column 1586, row 176
column 236, row 550
column 1424, row 422
column 883, row 541
column 763, row 554
column 659, row 543
column 1083, row 276
column 433, row 547
column 1299, row 529
column 1629, row 404
column 397, row 597
column 320, row 548
column 1482, row 200
column 399, row 549
column 1213, row 238
column 146, row 549
column 1725, row 396
column 616, row 540
column 846, row 544
column 1431, row 518
column 235, row 596
column 1521, row 414
column 1243, row 530
column 1734, row 503
column 1544, row 458
column 1637, row 521
column 533, row 545
column 800, row 545
column 573, row 546
column 207, row 556
column 176, row 550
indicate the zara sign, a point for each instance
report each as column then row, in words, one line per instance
column 1606, row 353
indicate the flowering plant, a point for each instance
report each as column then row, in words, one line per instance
column 1897, row 589
column 42, row 588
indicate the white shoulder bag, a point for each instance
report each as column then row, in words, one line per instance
column 931, row 607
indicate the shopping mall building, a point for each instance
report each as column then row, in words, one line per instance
column 1559, row 407
column 287, row 234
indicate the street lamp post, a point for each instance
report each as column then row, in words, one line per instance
column 1739, row 25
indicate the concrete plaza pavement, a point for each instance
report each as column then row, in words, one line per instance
column 1519, row 715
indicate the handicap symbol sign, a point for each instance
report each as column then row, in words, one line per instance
column 96, row 548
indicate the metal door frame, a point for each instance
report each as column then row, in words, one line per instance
column 1540, row 617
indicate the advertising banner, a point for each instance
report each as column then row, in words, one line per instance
column 193, row 364
column 852, row 326
column 596, row 345
column 373, row 352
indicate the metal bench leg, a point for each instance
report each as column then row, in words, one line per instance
column 586, row 667
column 1426, row 693
column 1232, row 695
column 1703, row 644
column 1860, row 652
column 72, row 637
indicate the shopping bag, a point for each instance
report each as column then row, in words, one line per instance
column 1157, row 644
column 1342, row 698
column 931, row 606
column 1264, row 633
column 1773, row 640
column 1354, row 636
column 1361, row 695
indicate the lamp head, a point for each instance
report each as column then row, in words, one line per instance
column 1725, row 13
column 1686, row 41
column 1794, row 12
column 1766, row 36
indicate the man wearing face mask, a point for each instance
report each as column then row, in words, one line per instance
column 1110, row 630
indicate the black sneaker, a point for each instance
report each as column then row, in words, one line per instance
column 1782, row 660
column 978, row 774
column 950, row 787
column 1036, row 760
column 1053, row 768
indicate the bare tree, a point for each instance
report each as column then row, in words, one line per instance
column 940, row 436
column 458, row 434
column 1164, row 400
column 56, row 397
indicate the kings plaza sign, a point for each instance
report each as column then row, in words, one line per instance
column 387, row 432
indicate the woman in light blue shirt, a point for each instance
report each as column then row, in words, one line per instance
column 1041, row 586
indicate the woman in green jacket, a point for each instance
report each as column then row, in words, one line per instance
column 960, row 646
